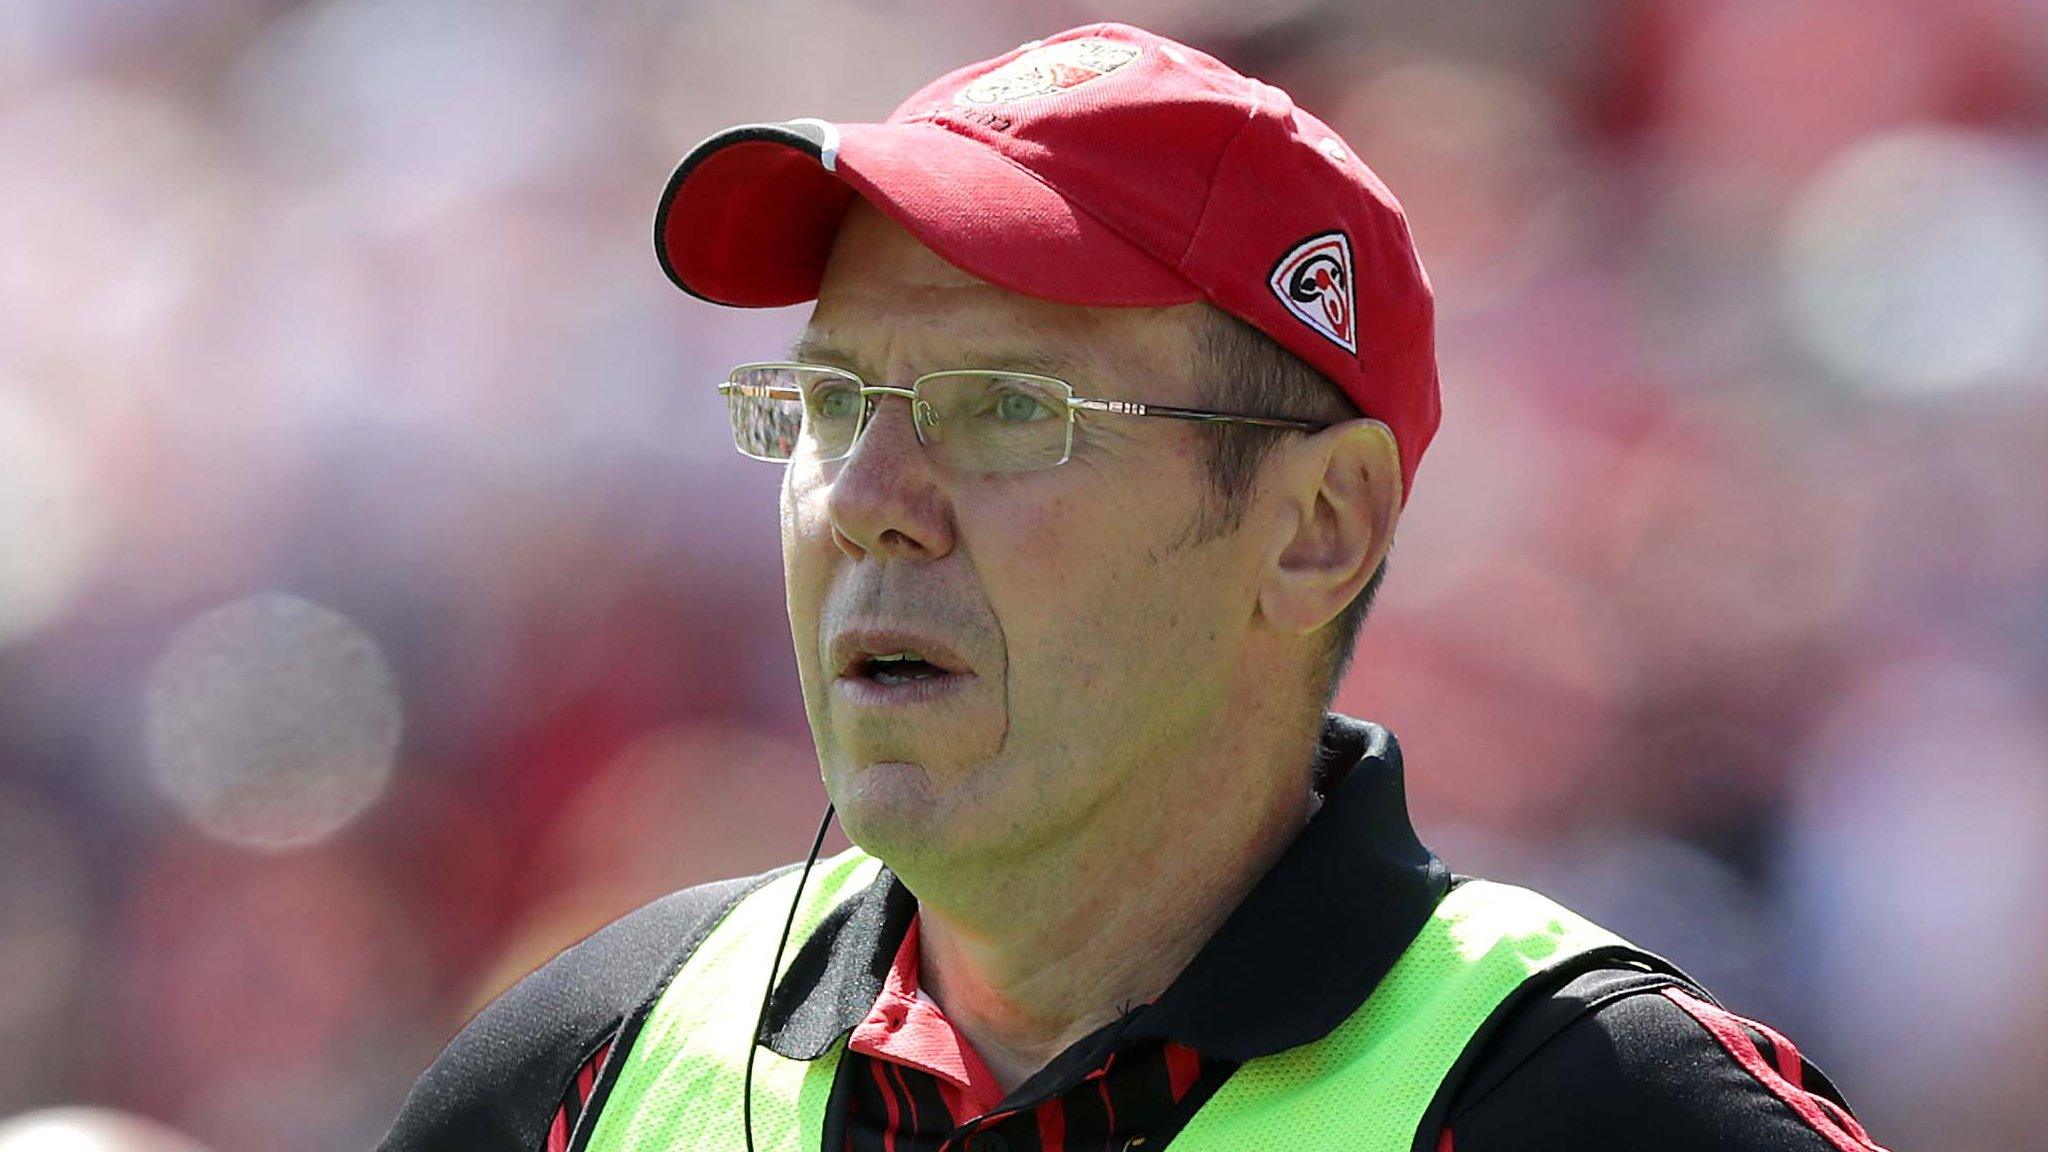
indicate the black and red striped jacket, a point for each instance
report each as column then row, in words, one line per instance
column 1593, row 1058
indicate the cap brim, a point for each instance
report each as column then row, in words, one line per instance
column 750, row 215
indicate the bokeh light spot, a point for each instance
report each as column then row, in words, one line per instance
column 272, row 722
column 89, row 1130
column 1918, row 263
column 52, row 524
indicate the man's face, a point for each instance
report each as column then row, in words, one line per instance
column 1091, row 642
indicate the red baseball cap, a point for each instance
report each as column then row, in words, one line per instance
column 1103, row 166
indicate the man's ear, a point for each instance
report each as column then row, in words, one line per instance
column 1342, row 487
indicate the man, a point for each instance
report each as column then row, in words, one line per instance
column 1096, row 442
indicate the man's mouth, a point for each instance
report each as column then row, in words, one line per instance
column 897, row 668
column 878, row 667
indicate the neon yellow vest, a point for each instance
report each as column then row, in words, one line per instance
column 1364, row 1087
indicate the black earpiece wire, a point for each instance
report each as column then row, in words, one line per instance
column 775, row 966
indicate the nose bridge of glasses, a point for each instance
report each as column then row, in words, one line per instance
column 873, row 397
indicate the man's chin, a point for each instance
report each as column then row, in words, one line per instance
column 890, row 807
column 884, row 786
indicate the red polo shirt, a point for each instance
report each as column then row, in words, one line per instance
column 911, row 1054
column 908, row 1028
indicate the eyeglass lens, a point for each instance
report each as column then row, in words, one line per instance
column 973, row 421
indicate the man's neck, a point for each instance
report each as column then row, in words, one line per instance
column 1037, row 957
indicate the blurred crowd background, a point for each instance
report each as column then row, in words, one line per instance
column 382, row 605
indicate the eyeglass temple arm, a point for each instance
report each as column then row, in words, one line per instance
column 730, row 388
column 1132, row 408
column 767, row 391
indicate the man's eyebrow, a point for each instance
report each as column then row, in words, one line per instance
column 811, row 350
column 1038, row 361
column 1041, row 361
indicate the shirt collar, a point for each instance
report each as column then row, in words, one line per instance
column 1330, row 918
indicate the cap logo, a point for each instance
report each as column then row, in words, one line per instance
column 1314, row 281
column 1048, row 69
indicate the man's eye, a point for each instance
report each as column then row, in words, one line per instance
column 835, row 403
column 1017, row 407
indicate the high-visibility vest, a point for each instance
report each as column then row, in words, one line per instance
column 1364, row 1087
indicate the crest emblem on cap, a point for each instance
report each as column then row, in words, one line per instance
column 1047, row 69
column 1314, row 281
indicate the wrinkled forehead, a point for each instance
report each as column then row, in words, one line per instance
column 896, row 307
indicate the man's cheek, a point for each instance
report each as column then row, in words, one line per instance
column 806, row 576
column 1051, row 551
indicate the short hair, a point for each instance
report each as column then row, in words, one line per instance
column 1239, row 368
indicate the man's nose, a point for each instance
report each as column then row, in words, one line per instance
column 886, row 500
